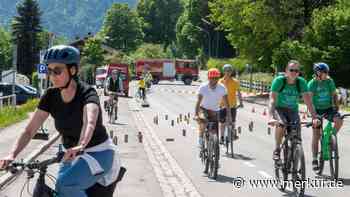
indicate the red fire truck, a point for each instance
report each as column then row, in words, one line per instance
column 168, row 69
column 102, row 73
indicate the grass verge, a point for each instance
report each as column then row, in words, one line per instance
column 10, row 115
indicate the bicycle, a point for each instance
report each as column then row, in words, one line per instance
column 329, row 148
column 292, row 159
column 230, row 133
column 112, row 108
column 210, row 150
column 41, row 189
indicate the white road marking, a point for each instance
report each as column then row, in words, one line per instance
column 265, row 174
column 249, row 164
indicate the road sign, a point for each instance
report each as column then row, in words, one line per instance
column 42, row 71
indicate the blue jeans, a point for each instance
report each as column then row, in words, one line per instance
column 73, row 180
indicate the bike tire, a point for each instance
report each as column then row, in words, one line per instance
column 298, row 170
column 334, row 159
column 281, row 171
column 216, row 156
column 231, row 142
column 110, row 114
column 321, row 160
column 206, row 155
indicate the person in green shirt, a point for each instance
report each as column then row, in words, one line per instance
column 284, row 99
column 324, row 99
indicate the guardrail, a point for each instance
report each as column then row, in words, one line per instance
column 7, row 100
column 258, row 86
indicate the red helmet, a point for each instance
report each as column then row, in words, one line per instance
column 213, row 73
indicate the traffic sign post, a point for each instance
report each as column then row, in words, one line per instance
column 42, row 72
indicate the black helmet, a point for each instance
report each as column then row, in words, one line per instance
column 62, row 54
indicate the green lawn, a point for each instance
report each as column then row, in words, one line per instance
column 10, row 115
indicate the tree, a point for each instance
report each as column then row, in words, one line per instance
column 26, row 28
column 159, row 19
column 122, row 28
column 5, row 50
column 257, row 28
column 93, row 52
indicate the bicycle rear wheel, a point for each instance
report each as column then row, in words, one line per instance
column 298, row 171
column 321, row 160
column 334, row 159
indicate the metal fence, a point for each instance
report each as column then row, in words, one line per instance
column 258, row 86
column 7, row 100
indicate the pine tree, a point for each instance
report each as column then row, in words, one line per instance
column 26, row 28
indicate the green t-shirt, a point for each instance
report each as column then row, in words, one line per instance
column 289, row 97
column 322, row 93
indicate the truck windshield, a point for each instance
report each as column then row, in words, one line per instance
column 100, row 71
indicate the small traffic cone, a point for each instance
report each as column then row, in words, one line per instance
column 264, row 113
column 253, row 110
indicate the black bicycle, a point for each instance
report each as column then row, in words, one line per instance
column 41, row 189
column 292, row 160
column 112, row 108
column 210, row 150
column 230, row 134
column 329, row 148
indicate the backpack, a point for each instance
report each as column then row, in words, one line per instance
column 285, row 82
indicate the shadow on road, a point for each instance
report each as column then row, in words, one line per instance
column 175, row 84
column 242, row 157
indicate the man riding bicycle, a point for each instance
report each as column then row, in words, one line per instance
column 325, row 101
column 284, row 99
column 114, row 86
column 232, row 86
column 210, row 95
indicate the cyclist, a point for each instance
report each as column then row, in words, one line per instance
column 232, row 87
column 147, row 76
column 210, row 95
column 324, row 97
column 114, row 86
column 284, row 98
column 76, row 110
column 142, row 88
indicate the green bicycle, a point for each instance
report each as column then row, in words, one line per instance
column 329, row 148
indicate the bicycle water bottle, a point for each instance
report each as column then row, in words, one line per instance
column 326, row 135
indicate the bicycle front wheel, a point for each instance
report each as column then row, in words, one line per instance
column 334, row 159
column 281, row 168
column 321, row 160
column 298, row 171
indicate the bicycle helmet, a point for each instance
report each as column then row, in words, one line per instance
column 321, row 67
column 213, row 73
column 64, row 54
column 227, row 67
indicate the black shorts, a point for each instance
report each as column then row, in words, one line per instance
column 223, row 114
column 286, row 115
column 329, row 113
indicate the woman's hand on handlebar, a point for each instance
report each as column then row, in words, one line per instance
column 6, row 161
column 73, row 152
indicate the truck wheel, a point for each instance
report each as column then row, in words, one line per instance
column 187, row 81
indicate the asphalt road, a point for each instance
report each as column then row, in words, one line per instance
column 170, row 162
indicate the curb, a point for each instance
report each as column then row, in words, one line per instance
column 6, row 178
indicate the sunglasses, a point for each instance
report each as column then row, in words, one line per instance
column 294, row 70
column 55, row 71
